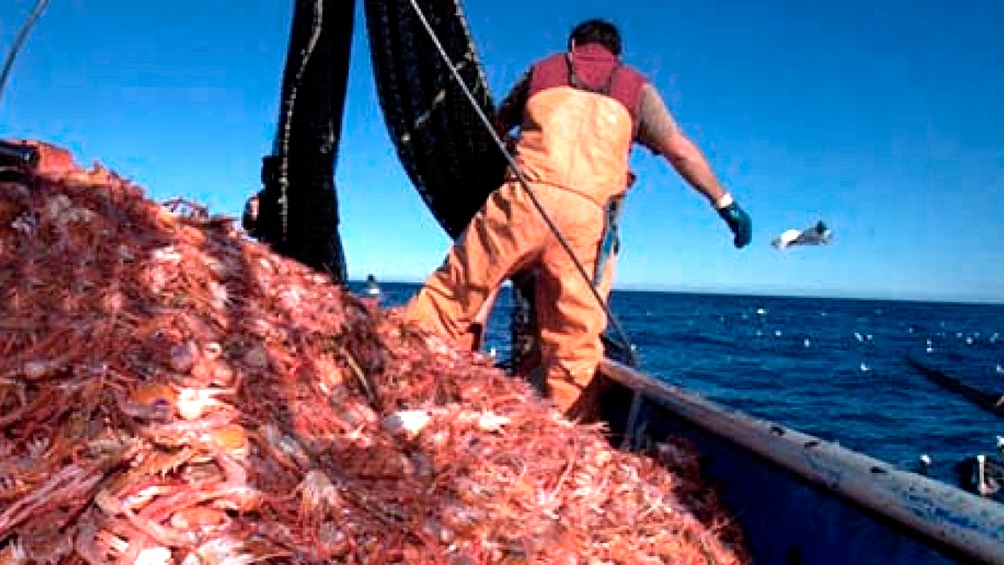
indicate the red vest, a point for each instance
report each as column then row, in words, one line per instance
column 579, row 122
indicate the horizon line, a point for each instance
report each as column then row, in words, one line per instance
column 767, row 293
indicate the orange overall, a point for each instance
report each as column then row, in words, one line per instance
column 573, row 149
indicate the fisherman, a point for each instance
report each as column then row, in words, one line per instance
column 578, row 112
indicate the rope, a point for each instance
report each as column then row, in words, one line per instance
column 525, row 183
column 22, row 36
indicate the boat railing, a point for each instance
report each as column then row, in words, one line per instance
column 942, row 515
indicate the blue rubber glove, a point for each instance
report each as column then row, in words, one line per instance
column 739, row 222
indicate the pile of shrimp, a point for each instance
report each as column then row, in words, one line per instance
column 173, row 392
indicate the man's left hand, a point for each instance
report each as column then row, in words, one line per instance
column 739, row 222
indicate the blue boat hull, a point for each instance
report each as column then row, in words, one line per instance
column 804, row 500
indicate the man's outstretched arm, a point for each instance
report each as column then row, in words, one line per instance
column 658, row 131
column 693, row 166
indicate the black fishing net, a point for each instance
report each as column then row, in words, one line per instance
column 446, row 150
column 298, row 208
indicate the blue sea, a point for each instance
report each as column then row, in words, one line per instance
column 833, row 368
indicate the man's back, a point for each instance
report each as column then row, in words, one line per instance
column 578, row 122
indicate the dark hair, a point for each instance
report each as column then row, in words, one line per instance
column 597, row 31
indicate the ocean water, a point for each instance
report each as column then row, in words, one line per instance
column 832, row 368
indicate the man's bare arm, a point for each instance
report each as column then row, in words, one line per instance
column 693, row 166
column 658, row 131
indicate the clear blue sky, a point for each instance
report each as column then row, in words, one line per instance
column 884, row 118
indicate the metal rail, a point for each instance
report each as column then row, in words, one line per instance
column 942, row 515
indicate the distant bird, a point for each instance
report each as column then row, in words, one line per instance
column 816, row 235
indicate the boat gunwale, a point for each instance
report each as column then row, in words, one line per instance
column 934, row 512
